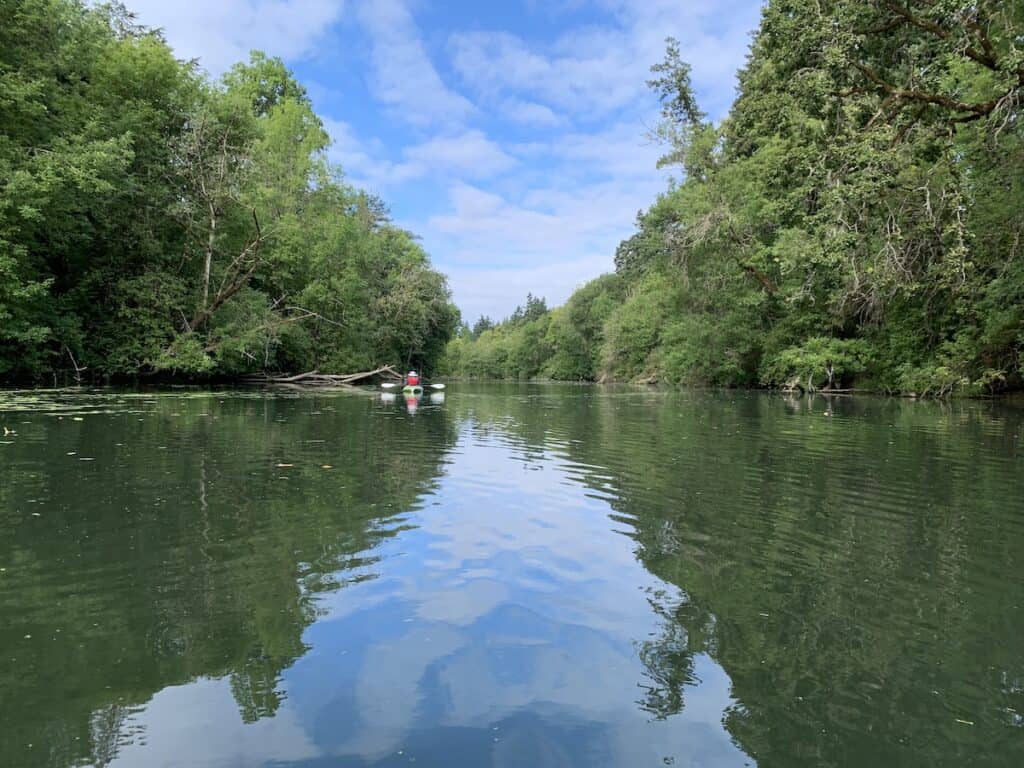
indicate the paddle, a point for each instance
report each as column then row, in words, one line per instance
column 392, row 385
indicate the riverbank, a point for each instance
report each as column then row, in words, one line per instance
column 1008, row 395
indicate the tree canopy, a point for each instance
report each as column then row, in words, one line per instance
column 153, row 220
column 855, row 220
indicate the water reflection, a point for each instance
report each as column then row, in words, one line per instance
column 490, row 634
column 150, row 542
column 412, row 401
column 517, row 576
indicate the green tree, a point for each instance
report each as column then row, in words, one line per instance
column 853, row 221
column 482, row 324
column 154, row 221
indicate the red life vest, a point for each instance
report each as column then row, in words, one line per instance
column 412, row 380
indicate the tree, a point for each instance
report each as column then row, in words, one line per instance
column 214, row 158
column 854, row 220
column 152, row 220
column 482, row 324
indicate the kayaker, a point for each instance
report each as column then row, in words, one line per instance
column 412, row 379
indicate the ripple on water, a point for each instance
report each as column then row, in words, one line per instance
column 561, row 576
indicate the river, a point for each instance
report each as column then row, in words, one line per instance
column 511, row 575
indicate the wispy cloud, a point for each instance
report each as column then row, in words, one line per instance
column 546, row 225
column 362, row 160
column 582, row 181
column 495, row 292
column 573, row 198
column 599, row 69
column 620, row 151
column 548, row 242
column 581, row 80
column 468, row 155
column 222, row 32
column 404, row 78
column 530, row 113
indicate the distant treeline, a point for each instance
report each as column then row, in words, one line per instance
column 857, row 219
column 153, row 220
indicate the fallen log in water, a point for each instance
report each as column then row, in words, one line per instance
column 317, row 379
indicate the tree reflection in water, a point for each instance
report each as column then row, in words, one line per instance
column 855, row 576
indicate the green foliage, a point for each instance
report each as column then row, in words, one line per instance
column 818, row 362
column 185, row 355
column 536, row 307
column 633, row 331
column 152, row 220
column 538, row 343
column 416, row 317
column 855, row 220
column 482, row 324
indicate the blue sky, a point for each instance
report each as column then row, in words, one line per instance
column 512, row 137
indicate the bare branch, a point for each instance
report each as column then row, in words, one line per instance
column 236, row 277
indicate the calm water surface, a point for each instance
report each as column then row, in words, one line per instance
column 517, row 576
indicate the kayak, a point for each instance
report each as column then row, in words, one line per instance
column 411, row 389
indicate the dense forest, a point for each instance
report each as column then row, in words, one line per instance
column 856, row 220
column 153, row 220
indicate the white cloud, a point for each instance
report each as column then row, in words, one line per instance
column 621, row 150
column 469, row 155
column 492, row 63
column 352, row 154
column 596, row 70
column 404, row 77
column 557, row 224
column 496, row 292
column 549, row 224
column 549, row 242
column 577, row 192
column 714, row 37
column 222, row 32
column 530, row 113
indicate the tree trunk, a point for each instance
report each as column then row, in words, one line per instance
column 208, row 260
